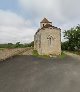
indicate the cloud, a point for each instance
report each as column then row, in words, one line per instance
column 64, row 13
column 70, row 9
column 60, row 11
column 42, row 8
column 15, row 28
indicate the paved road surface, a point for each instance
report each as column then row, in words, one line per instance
column 33, row 74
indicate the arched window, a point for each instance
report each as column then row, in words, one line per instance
column 39, row 41
column 50, row 40
column 43, row 25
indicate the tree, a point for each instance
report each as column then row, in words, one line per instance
column 17, row 44
column 64, row 45
column 73, row 37
column 31, row 44
column 9, row 45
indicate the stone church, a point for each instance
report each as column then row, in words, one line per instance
column 47, row 39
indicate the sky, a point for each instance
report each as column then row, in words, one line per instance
column 20, row 19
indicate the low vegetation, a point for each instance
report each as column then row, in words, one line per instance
column 1, row 48
column 75, row 52
column 62, row 56
column 17, row 45
column 35, row 53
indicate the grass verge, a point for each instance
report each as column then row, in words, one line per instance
column 62, row 56
column 35, row 53
column 1, row 48
column 75, row 52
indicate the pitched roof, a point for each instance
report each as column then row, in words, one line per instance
column 45, row 21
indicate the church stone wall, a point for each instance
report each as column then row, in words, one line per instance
column 48, row 41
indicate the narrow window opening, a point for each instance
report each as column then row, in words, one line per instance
column 39, row 41
column 43, row 25
column 50, row 41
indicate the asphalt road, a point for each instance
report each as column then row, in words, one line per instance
column 33, row 74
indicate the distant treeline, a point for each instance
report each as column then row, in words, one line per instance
column 17, row 45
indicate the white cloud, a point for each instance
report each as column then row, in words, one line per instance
column 60, row 11
column 9, row 18
column 64, row 13
column 70, row 9
column 14, row 28
column 42, row 8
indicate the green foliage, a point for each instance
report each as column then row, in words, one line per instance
column 62, row 56
column 31, row 44
column 1, row 48
column 64, row 45
column 73, row 39
column 17, row 45
column 35, row 53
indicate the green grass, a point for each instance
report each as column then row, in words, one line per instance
column 62, row 56
column 1, row 48
column 35, row 53
column 75, row 52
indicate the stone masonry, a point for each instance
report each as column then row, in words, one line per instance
column 47, row 39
